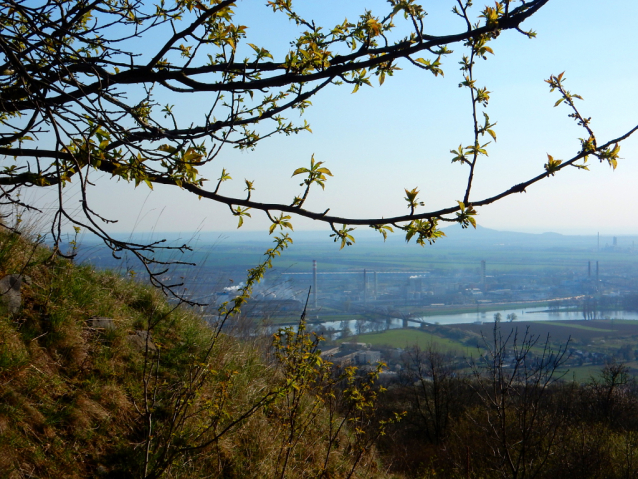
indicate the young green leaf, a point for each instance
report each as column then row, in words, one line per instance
column 552, row 165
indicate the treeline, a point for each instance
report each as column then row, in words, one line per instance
column 513, row 415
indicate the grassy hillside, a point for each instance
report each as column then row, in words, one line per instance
column 156, row 392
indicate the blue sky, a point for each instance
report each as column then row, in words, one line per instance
column 384, row 139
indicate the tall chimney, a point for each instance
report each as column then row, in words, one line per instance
column 375, row 286
column 598, row 246
column 483, row 280
column 365, row 287
column 314, row 281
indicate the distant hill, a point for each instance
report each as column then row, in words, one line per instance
column 455, row 236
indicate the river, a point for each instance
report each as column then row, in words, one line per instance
column 524, row 314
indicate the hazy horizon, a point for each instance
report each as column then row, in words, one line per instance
column 366, row 231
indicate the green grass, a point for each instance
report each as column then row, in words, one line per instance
column 401, row 338
column 581, row 374
column 567, row 324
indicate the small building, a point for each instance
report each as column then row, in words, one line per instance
column 367, row 357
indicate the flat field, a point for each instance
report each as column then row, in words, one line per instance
column 403, row 338
column 591, row 343
column 580, row 332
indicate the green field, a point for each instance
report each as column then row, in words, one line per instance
column 581, row 374
column 402, row 338
column 567, row 324
column 589, row 336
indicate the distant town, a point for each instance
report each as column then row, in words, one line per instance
column 467, row 271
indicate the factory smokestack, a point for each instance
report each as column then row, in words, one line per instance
column 483, row 280
column 375, row 286
column 314, row 282
column 365, row 287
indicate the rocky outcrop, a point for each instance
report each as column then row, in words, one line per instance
column 139, row 340
column 10, row 292
column 101, row 323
